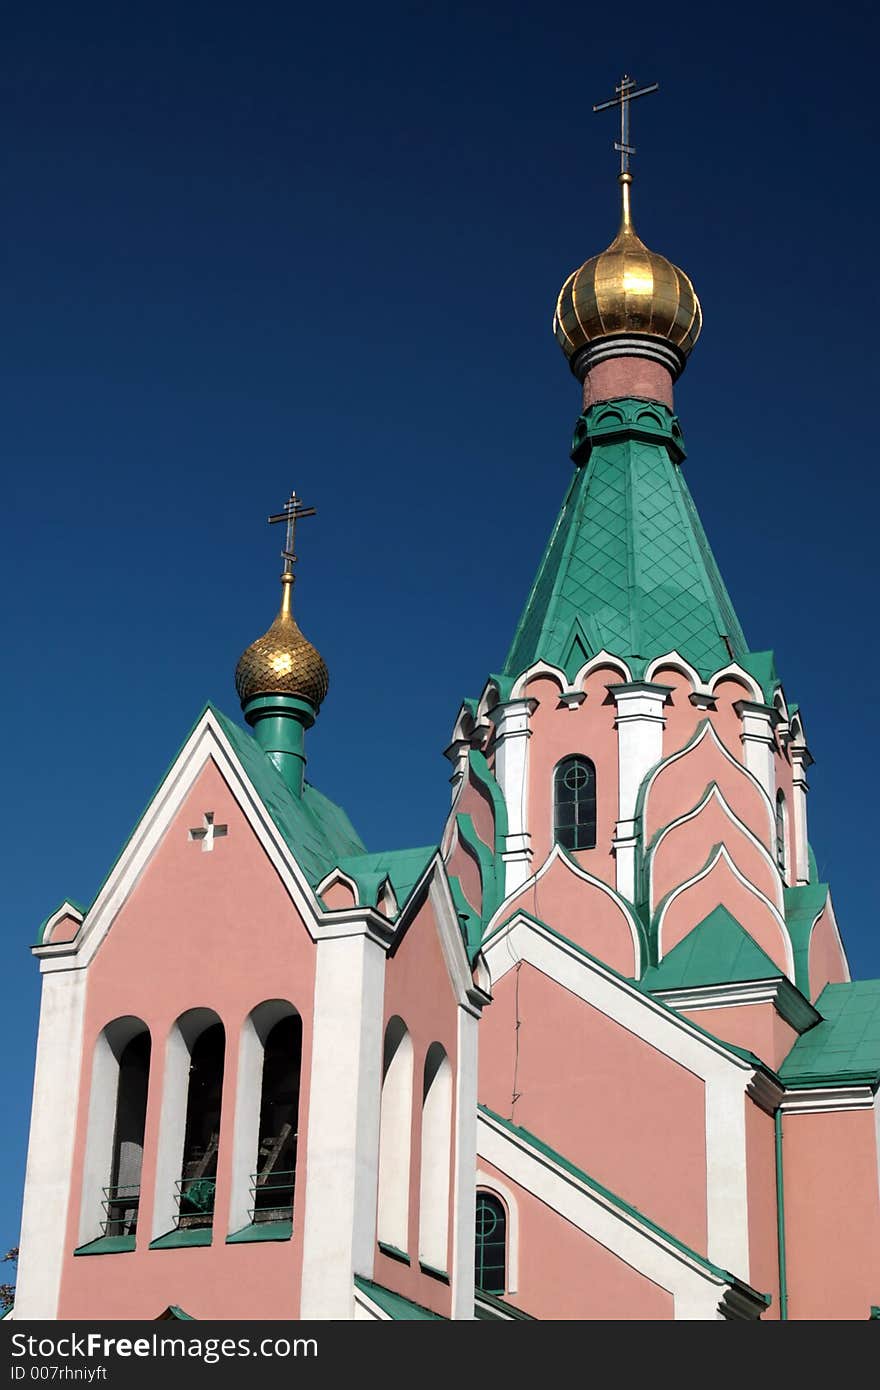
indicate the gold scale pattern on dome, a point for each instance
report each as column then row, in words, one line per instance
column 283, row 661
column 627, row 289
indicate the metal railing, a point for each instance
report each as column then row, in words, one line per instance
column 195, row 1203
column 120, row 1205
column 272, row 1195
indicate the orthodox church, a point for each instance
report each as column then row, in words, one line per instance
column 594, row 1054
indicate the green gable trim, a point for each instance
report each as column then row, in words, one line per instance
column 468, row 918
column 540, row 1147
column 803, row 907
column 718, row 951
column 397, row 1307
column 486, row 861
column 106, row 1245
column 845, row 1047
column 259, row 1231
column 628, row 567
column 483, row 775
column 174, row 1240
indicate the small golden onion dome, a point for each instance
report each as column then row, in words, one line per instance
column 627, row 290
column 282, row 661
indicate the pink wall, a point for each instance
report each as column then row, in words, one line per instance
column 565, row 1274
column 761, row 1183
column 474, row 802
column 558, row 732
column 832, row 1214
column 627, row 376
column 827, row 965
column 339, row 895
column 757, row 1027
column 680, row 786
column 418, row 990
column 721, row 885
column 214, row 930
column 685, row 850
column 583, row 913
column 627, row 1115
column 65, row 929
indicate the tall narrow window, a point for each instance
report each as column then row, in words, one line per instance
column 273, row 1181
column 436, row 1158
column 124, row 1190
column 574, row 803
column 395, row 1136
column 201, row 1141
column 490, row 1266
column 781, row 833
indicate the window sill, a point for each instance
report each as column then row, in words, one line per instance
column 202, row 1235
column 432, row 1273
column 259, row 1231
column 393, row 1253
column 106, row 1245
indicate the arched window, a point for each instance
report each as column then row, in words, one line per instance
column 436, row 1158
column 395, row 1136
column 115, row 1137
column 781, row 833
column 201, row 1138
column 266, row 1130
column 574, row 803
column 490, row 1264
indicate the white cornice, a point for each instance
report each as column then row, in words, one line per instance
column 788, row 1001
column 820, row 1100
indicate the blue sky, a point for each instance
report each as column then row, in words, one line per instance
column 251, row 247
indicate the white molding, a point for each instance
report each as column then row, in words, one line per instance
column 759, row 743
column 713, row 791
column 512, row 721
column 602, row 661
column 722, row 853
column 48, row 1177
column 506, row 1195
column 820, row 1100
column 639, row 721
column 674, row 661
column 342, row 1143
column 336, row 877
column 557, row 853
column 725, row 1074
column 733, row 671
column 67, row 909
column 707, row 731
column 800, row 761
column 534, row 672
column 366, row 1309
column 697, row 1292
column 785, row 997
column 464, row 1162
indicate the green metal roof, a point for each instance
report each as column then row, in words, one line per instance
column 718, row 951
column 845, row 1046
column 404, row 867
column 538, row 1144
column 397, row 1307
column 802, row 906
column 628, row 567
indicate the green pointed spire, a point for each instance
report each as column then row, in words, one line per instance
column 628, row 568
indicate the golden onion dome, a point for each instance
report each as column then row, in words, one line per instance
column 628, row 290
column 282, row 661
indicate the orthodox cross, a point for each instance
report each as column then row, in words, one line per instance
column 209, row 832
column 291, row 513
column 625, row 92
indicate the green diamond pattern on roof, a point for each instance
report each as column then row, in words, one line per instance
column 845, row 1046
column 717, row 952
column 628, row 559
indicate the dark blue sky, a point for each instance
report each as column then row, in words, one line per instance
column 248, row 247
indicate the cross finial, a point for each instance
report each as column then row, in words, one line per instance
column 291, row 513
column 625, row 92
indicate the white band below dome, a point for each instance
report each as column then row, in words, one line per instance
column 629, row 345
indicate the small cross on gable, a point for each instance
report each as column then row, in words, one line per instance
column 209, row 832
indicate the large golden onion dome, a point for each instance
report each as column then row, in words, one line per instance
column 626, row 291
column 282, row 661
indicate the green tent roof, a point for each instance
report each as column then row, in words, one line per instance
column 628, row 567
column 845, row 1046
column 717, row 952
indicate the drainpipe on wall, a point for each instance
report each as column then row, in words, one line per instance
column 780, row 1218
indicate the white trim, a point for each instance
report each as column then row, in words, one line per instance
column 822, row 1100
column 555, row 854
column 512, row 722
column 674, row 661
column 707, row 731
column 733, row 671
column 341, row 878
column 602, row 661
column 722, row 853
column 464, row 1161
column 713, row 791
column 49, row 1172
column 534, row 672
column 66, row 909
column 696, row 1291
column 726, row 1075
column 506, row 1195
column 759, row 743
column 639, row 721
column 342, row 1143
column 785, row 997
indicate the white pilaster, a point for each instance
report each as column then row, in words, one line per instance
column 457, row 753
column 640, row 722
column 800, row 761
column 342, row 1154
column 465, row 1161
column 52, row 1138
column 758, row 742
column 512, row 734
